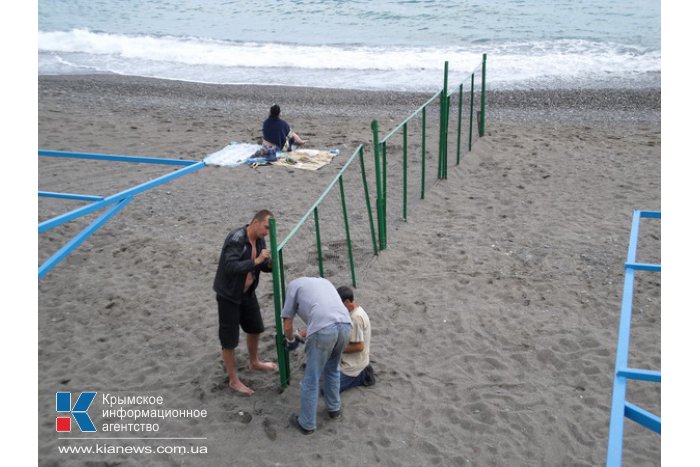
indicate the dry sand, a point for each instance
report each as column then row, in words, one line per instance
column 494, row 310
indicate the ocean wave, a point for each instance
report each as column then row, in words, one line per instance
column 210, row 60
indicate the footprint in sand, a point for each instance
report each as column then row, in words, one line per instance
column 270, row 431
column 243, row 417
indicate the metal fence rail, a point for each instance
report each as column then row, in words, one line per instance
column 620, row 407
column 311, row 251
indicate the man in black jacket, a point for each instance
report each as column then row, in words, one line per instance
column 243, row 256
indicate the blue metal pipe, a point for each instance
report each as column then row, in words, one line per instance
column 641, row 375
column 114, row 157
column 644, row 267
column 76, row 241
column 69, row 216
column 52, row 194
column 650, row 214
column 643, row 417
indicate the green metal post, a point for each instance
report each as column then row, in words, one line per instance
column 482, row 121
column 447, row 123
column 367, row 201
column 471, row 113
column 440, row 135
column 348, row 241
column 378, row 173
column 443, row 122
column 459, row 123
column 405, row 171
column 383, row 238
column 283, row 281
column 282, row 354
column 422, row 166
column 446, row 116
column 319, row 248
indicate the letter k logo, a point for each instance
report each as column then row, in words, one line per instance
column 79, row 411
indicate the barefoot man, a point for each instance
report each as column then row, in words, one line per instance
column 242, row 258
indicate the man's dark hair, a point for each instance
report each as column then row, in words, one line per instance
column 345, row 293
column 262, row 214
column 275, row 111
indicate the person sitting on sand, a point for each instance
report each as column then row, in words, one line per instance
column 242, row 258
column 277, row 133
column 355, row 369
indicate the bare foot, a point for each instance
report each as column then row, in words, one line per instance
column 242, row 388
column 263, row 366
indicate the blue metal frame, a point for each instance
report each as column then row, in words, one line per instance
column 113, row 203
column 620, row 408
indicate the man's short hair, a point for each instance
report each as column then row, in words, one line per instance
column 275, row 111
column 345, row 293
column 262, row 214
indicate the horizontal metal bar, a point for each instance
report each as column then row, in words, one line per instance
column 640, row 375
column 53, row 194
column 650, row 214
column 461, row 83
column 114, row 157
column 643, row 267
column 643, row 417
column 420, row 110
column 320, row 198
column 76, row 241
column 464, row 81
column 67, row 217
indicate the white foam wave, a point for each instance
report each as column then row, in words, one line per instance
column 220, row 61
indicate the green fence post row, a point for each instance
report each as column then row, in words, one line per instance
column 282, row 354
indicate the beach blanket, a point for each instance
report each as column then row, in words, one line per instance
column 256, row 155
column 305, row 159
column 232, row 155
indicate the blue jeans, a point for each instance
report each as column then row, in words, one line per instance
column 323, row 351
column 347, row 382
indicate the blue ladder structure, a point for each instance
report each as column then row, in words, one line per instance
column 112, row 204
column 620, row 407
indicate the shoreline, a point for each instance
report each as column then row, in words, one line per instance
column 602, row 98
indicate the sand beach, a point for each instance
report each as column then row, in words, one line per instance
column 494, row 309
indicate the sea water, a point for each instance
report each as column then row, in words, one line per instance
column 361, row 44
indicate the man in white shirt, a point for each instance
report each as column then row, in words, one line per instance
column 355, row 369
